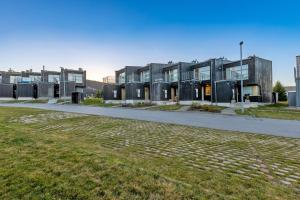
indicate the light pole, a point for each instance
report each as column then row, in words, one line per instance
column 64, row 80
column 242, row 87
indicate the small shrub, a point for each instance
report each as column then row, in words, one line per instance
column 93, row 101
column 207, row 108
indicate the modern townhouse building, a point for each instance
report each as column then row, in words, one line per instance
column 213, row 80
column 44, row 84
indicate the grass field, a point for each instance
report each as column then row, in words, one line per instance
column 276, row 111
column 25, row 101
column 53, row 155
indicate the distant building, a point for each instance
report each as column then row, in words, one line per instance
column 109, row 79
column 92, row 87
column 44, row 84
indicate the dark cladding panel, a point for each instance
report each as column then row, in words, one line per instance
column 46, row 90
column 24, row 90
column 70, row 87
column 263, row 70
column 187, row 91
column 6, row 90
column 135, row 91
column 111, row 92
column 158, row 92
column 224, row 91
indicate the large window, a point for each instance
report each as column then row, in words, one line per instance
column 122, row 78
column 234, row 73
column 0, row 78
column 15, row 79
column 35, row 78
column 145, row 76
column 204, row 73
column 77, row 78
column 53, row 78
column 174, row 75
column 252, row 90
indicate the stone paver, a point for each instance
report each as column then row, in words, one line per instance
column 246, row 156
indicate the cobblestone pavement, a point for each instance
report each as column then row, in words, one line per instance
column 247, row 156
column 288, row 128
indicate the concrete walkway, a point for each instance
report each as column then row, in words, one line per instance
column 287, row 128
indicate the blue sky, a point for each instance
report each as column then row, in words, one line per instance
column 103, row 36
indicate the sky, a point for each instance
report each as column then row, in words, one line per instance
column 104, row 36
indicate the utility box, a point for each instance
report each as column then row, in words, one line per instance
column 76, row 97
column 292, row 98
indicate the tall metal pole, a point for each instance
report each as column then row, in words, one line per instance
column 242, row 87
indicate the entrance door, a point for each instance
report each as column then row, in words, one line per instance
column 173, row 94
column 207, row 92
column 147, row 94
column 56, row 91
column 123, row 94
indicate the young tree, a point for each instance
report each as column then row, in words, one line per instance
column 99, row 94
column 280, row 90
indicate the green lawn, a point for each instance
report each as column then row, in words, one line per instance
column 167, row 107
column 276, row 111
column 53, row 155
column 25, row 101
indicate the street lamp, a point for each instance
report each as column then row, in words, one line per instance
column 242, row 88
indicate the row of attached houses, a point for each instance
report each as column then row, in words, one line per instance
column 44, row 84
column 214, row 80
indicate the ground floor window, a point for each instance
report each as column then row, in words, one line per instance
column 207, row 90
column 138, row 91
column 252, row 90
column 166, row 94
column 196, row 90
column 115, row 93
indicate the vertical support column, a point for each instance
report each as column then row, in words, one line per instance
column 202, row 93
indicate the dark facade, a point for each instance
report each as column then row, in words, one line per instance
column 215, row 80
column 44, row 84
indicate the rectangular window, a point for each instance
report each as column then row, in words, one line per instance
column 166, row 94
column 145, row 76
column 252, row 90
column 35, row 78
column 167, row 76
column 138, row 91
column 115, row 94
column 196, row 91
column 122, row 78
column 25, row 80
column 53, row 78
column 204, row 73
column 15, row 79
column 77, row 78
column 174, row 75
column 207, row 90
column 234, row 73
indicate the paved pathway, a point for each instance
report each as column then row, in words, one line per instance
column 288, row 128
